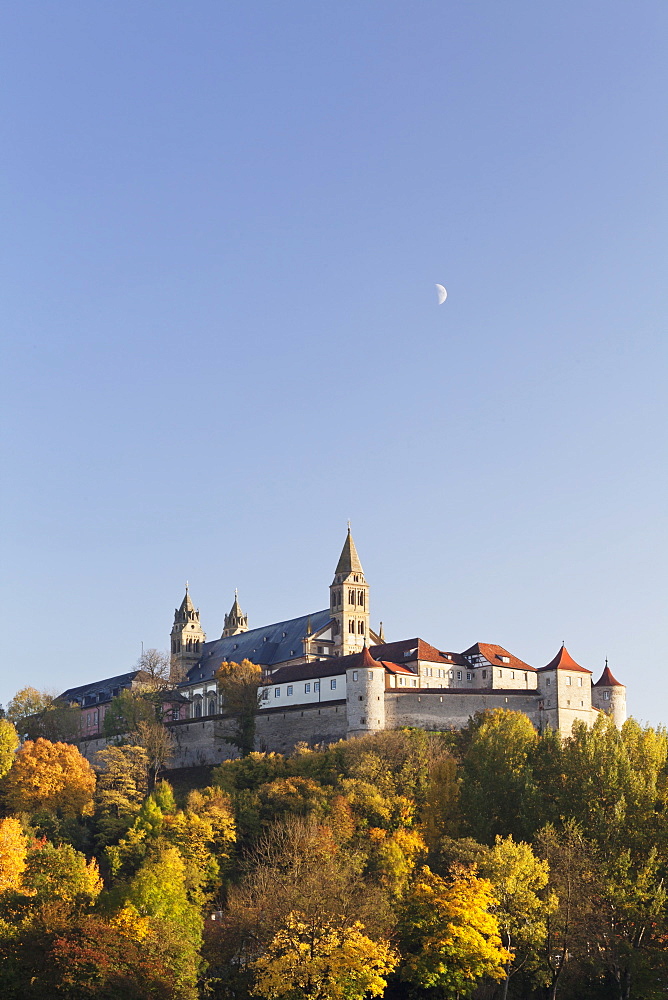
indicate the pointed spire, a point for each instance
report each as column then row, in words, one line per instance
column 349, row 561
column 186, row 603
column 236, row 621
column 309, row 629
column 381, row 633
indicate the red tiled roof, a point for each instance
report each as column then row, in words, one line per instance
column 410, row 650
column 331, row 666
column 607, row 680
column 564, row 661
column 493, row 654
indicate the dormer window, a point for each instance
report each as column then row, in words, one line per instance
column 504, row 659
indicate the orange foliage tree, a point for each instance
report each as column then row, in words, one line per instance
column 51, row 776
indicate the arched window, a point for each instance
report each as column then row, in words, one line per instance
column 351, row 626
column 198, row 710
column 360, row 598
column 360, row 628
column 351, row 597
column 212, row 706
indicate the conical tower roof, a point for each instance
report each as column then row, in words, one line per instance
column 606, row 679
column 186, row 603
column 349, row 561
column 564, row 661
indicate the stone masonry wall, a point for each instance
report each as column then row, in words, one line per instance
column 201, row 741
column 425, row 709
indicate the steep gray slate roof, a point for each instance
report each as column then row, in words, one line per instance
column 265, row 646
column 99, row 691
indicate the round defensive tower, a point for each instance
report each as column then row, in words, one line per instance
column 365, row 695
column 609, row 696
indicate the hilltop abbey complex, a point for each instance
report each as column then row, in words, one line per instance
column 327, row 675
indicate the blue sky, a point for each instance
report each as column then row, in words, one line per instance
column 222, row 226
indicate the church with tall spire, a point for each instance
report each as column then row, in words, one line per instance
column 328, row 675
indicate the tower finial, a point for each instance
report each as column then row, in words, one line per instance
column 349, row 524
column 186, row 586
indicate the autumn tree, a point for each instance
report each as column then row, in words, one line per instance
column 450, row 938
column 26, row 703
column 13, row 850
column 127, row 710
column 122, row 783
column 317, row 960
column 155, row 667
column 239, row 685
column 50, row 776
column 9, row 741
column 158, row 743
column 60, row 873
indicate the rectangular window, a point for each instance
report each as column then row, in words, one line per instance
column 512, row 675
column 469, row 676
column 484, row 675
column 316, row 686
column 332, row 684
column 459, row 675
column 579, row 682
column 451, row 674
column 277, row 692
column 289, row 691
column 548, row 682
column 307, row 689
column 500, row 674
column 355, row 675
column 568, row 681
column 414, row 682
column 265, row 694
column 606, row 695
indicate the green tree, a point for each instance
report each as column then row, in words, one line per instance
column 498, row 792
column 519, row 879
column 572, row 919
column 158, row 891
column 239, row 684
column 450, row 938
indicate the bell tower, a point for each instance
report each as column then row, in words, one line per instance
column 236, row 621
column 187, row 639
column 349, row 602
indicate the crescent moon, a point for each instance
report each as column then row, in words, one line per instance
column 442, row 294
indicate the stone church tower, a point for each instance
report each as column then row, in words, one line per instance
column 236, row 621
column 349, row 602
column 187, row 639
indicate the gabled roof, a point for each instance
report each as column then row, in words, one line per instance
column 564, row 661
column 349, row 561
column 607, row 680
column 409, row 650
column 266, row 646
column 494, row 655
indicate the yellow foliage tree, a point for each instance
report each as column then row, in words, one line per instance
column 9, row 741
column 13, row 849
column 51, row 776
column 450, row 939
column 312, row 960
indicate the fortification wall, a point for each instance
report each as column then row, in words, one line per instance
column 201, row 741
column 425, row 709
